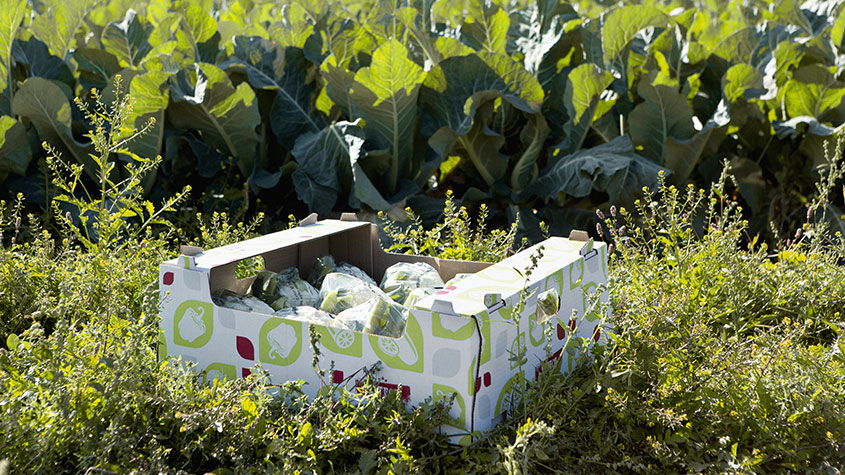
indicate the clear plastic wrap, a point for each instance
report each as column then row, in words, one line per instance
column 309, row 315
column 403, row 277
column 324, row 265
column 246, row 303
column 379, row 315
column 285, row 289
column 343, row 291
column 416, row 295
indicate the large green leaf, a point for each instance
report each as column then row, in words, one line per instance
column 458, row 86
column 195, row 37
column 328, row 164
column 59, row 25
column 11, row 14
column 623, row 24
column 813, row 91
column 456, row 93
column 480, row 145
column 205, row 100
column 286, row 71
column 15, row 153
column 742, row 81
column 35, row 55
column 584, row 87
column 44, row 104
column 682, row 155
column 96, row 67
column 128, row 40
column 151, row 96
column 385, row 94
column 487, row 30
column 533, row 137
column 613, row 167
column 664, row 114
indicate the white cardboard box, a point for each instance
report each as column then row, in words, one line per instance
column 459, row 340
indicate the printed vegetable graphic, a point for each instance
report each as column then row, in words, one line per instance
column 280, row 341
column 193, row 324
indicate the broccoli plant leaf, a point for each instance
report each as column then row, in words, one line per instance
column 35, row 54
column 284, row 70
column 613, row 167
column 96, row 67
column 44, row 104
column 128, row 40
column 385, row 94
column 15, row 152
column 151, row 96
column 205, row 100
column 813, row 91
column 623, row 24
column 582, row 96
column 328, row 163
column 664, row 114
column 11, row 15
column 58, row 26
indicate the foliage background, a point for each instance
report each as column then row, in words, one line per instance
column 540, row 109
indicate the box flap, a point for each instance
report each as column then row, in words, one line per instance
column 256, row 246
column 506, row 277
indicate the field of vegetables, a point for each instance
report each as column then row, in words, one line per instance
column 706, row 131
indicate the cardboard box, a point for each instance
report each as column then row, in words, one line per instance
column 459, row 340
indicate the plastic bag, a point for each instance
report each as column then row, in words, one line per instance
column 379, row 315
column 246, row 303
column 402, row 277
column 309, row 315
column 284, row 289
column 548, row 304
column 416, row 295
column 342, row 291
column 325, row 265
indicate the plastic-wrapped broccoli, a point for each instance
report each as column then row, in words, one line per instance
column 326, row 265
column 247, row 303
column 416, row 295
column 378, row 315
column 454, row 280
column 342, row 291
column 309, row 315
column 402, row 277
column 284, row 289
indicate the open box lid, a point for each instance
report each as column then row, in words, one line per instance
column 220, row 256
column 505, row 279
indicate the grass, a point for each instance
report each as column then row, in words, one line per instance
column 725, row 356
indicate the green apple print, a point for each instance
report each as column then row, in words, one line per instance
column 405, row 352
column 510, row 396
column 443, row 391
column 193, row 324
column 576, row 273
column 341, row 341
column 219, row 371
column 280, row 341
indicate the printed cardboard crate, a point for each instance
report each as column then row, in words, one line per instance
column 459, row 340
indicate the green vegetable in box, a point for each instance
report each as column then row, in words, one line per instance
column 324, row 265
column 379, row 315
column 342, row 291
column 548, row 303
column 416, row 295
column 285, row 289
column 246, row 303
column 401, row 278
column 309, row 315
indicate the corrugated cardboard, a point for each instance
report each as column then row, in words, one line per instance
column 459, row 340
